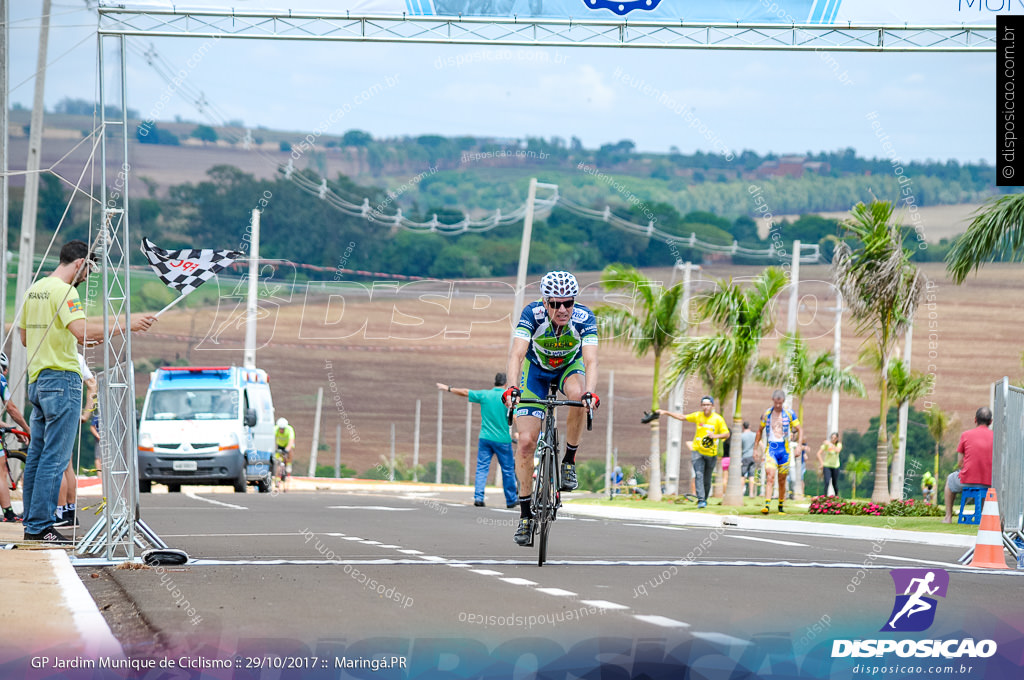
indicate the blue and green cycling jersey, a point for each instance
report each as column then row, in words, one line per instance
column 553, row 352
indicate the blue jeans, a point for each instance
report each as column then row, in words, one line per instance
column 703, row 468
column 56, row 398
column 486, row 449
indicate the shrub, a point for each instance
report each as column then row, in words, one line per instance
column 834, row 505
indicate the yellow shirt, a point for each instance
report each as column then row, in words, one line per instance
column 50, row 305
column 713, row 424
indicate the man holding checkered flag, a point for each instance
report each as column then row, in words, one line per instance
column 187, row 269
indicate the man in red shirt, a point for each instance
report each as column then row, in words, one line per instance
column 975, row 451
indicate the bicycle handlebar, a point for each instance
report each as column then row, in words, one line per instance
column 554, row 402
column 11, row 430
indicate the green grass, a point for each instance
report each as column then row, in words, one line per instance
column 752, row 508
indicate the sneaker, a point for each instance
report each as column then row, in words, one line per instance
column 478, row 504
column 764, row 510
column 514, row 504
column 569, row 482
column 702, row 504
column 69, row 520
column 11, row 516
column 781, row 511
column 50, row 535
column 524, row 532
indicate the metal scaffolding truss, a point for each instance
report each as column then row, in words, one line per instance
column 547, row 32
column 121, row 530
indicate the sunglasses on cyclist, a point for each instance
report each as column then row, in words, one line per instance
column 556, row 304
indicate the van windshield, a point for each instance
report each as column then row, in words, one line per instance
column 193, row 405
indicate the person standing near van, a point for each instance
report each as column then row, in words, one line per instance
column 52, row 324
column 284, row 439
column 494, row 440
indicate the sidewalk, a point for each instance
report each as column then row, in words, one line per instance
column 45, row 605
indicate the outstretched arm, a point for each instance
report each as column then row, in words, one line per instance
column 461, row 391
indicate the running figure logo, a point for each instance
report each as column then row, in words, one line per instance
column 914, row 610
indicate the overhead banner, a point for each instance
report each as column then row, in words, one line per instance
column 821, row 12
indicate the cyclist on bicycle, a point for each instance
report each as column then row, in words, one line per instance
column 5, row 483
column 555, row 341
column 284, row 437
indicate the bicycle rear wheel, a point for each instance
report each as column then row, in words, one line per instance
column 15, row 462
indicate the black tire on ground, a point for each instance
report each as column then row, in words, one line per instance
column 174, row 488
column 145, row 486
column 240, row 483
column 264, row 484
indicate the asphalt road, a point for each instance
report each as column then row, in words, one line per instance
column 439, row 583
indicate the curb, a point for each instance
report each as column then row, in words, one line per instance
column 696, row 519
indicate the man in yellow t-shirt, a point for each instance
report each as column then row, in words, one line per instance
column 52, row 325
column 710, row 428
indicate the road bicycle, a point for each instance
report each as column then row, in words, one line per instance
column 280, row 471
column 14, row 458
column 546, row 498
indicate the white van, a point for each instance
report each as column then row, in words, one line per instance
column 206, row 425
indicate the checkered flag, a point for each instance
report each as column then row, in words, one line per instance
column 187, row 269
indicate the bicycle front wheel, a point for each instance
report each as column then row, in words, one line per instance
column 545, row 508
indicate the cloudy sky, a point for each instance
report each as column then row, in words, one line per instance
column 931, row 106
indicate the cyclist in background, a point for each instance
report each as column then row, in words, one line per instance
column 284, row 438
column 10, row 408
column 555, row 342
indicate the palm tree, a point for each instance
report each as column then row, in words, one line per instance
column 744, row 318
column 882, row 288
column 905, row 387
column 801, row 374
column 997, row 229
column 652, row 326
column 857, row 467
column 940, row 424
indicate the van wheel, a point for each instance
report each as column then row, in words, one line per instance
column 241, row 483
column 265, row 483
column 145, row 486
column 174, row 488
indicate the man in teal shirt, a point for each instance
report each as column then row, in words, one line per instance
column 494, row 439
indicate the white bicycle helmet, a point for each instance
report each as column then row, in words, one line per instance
column 559, row 284
column 282, row 423
column 3, row 361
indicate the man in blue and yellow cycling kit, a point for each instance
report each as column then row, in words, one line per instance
column 777, row 423
column 555, row 342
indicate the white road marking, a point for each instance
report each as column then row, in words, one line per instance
column 289, row 533
column 369, row 507
column 721, row 639
column 351, row 538
column 388, row 546
column 912, row 559
column 370, row 542
column 429, row 558
column 652, row 526
column 518, row 581
column 768, row 540
column 210, row 500
column 93, row 630
column 409, row 551
column 662, row 621
column 487, row 572
column 557, row 592
column 603, row 604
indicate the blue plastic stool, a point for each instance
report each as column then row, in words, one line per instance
column 978, row 494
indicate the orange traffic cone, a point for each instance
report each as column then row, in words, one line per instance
column 988, row 551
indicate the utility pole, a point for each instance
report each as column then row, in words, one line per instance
column 249, row 356
column 30, row 205
column 676, row 399
column 4, row 126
